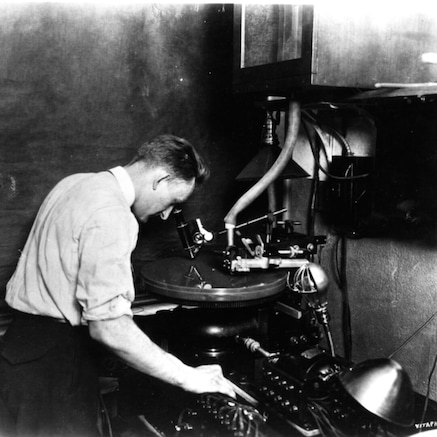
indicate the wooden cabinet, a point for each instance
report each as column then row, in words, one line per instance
column 280, row 47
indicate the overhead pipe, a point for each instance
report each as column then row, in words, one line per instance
column 271, row 175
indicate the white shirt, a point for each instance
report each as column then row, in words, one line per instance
column 76, row 264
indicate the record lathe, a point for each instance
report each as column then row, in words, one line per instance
column 258, row 306
column 267, row 330
column 266, row 322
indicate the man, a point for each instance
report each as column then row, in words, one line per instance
column 74, row 275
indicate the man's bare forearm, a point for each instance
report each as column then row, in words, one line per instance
column 126, row 340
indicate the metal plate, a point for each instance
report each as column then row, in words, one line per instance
column 204, row 281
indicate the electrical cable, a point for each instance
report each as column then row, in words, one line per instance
column 334, row 132
column 317, row 129
column 105, row 412
column 412, row 336
column 342, row 280
column 342, row 139
column 181, row 423
column 337, row 261
column 346, row 313
column 428, row 390
column 329, row 339
column 243, row 420
column 311, row 219
column 323, row 422
column 362, row 113
column 339, row 267
column 314, row 185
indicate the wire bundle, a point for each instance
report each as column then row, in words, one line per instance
column 242, row 420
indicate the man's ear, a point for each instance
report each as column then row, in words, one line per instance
column 160, row 176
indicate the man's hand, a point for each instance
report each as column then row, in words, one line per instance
column 208, row 378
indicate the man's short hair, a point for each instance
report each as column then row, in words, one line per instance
column 174, row 153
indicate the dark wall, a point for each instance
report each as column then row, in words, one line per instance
column 82, row 85
column 389, row 275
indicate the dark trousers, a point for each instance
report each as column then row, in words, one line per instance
column 48, row 380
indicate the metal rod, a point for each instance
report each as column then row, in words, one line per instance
column 246, row 396
column 255, row 220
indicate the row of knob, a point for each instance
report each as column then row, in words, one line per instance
column 282, row 392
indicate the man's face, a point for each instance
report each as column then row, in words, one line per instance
column 162, row 197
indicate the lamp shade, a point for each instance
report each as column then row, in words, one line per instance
column 382, row 387
column 264, row 159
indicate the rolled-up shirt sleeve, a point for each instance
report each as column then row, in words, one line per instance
column 105, row 288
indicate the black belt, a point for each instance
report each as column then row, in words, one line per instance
column 37, row 317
